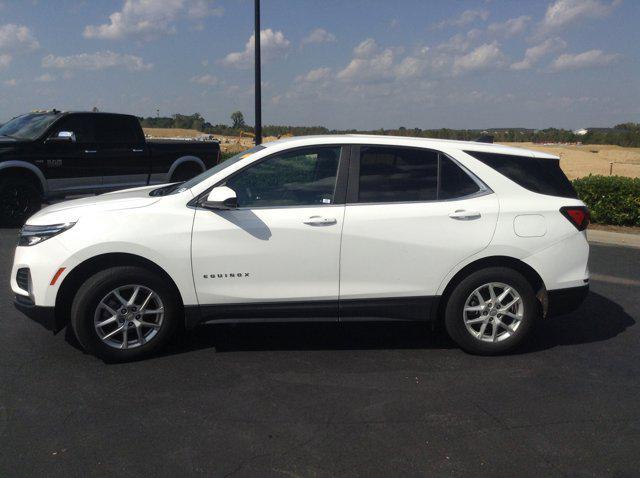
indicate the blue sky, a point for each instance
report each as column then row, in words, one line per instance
column 341, row 64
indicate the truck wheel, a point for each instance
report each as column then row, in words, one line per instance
column 185, row 172
column 124, row 313
column 19, row 199
column 491, row 311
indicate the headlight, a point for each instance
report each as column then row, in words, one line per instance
column 32, row 235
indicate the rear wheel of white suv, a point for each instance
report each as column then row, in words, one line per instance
column 124, row 313
column 491, row 311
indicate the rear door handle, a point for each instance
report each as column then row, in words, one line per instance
column 90, row 151
column 137, row 150
column 464, row 215
column 320, row 221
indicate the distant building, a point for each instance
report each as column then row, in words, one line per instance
column 581, row 131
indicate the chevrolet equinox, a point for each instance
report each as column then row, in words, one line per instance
column 486, row 239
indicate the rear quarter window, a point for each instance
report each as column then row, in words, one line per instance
column 539, row 175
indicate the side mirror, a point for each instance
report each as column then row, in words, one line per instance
column 62, row 137
column 221, row 197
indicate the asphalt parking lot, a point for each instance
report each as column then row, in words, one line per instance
column 326, row 400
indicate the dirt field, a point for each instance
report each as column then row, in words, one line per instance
column 228, row 144
column 576, row 161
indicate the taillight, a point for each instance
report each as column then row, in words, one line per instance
column 577, row 215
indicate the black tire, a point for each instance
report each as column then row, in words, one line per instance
column 454, row 312
column 20, row 198
column 185, row 172
column 97, row 287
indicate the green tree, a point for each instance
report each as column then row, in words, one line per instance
column 238, row 119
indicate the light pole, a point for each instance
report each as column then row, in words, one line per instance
column 258, row 82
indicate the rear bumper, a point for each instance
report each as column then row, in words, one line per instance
column 45, row 316
column 564, row 301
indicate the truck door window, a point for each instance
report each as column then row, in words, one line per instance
column 79, row 125
column 303, row 177
column 114, row 130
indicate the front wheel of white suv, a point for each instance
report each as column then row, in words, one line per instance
column 124, row 313
column 491, row 311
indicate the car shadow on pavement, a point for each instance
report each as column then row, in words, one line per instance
column 598, row 319
column 311, row 336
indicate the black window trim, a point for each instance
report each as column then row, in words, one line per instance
column 340, row 191
column 353, row 185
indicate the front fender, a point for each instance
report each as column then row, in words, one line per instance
column 178, row 269
column 17, row 164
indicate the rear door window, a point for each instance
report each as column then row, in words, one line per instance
column 454, row 181
column 396, row 174
column 115, row 130
column 539, row 175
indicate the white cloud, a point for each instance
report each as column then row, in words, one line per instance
column 465, row 18
column 484, row 57
column 17, row 38
column 5, row 60
column 565, row 12
column 319, row 35
column 536, row 53
column 318, row 74
column 273, row 45
column 11, row 82
column 148, row 19
column 373, row 64
column 206, row 79
column 366, row 48
column 456, row 44
column 46, row 78
column 587, row 59
column 199, row 9
column 96, row 61
column 511, row 27
column 410, row 67
column 369, row 63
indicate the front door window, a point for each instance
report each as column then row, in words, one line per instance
column 304, row 177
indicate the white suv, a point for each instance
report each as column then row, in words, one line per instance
column 485, row 238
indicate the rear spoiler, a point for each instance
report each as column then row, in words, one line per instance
column 485, row 138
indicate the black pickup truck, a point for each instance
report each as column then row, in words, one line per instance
column 52, row 154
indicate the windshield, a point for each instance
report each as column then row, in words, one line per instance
column 216, row 169
column 30, row 126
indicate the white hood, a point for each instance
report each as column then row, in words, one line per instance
column 71, row 211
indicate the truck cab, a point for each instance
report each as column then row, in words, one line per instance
column 53, row 154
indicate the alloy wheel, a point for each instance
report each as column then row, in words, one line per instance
column 493, row 312
column 128, row 317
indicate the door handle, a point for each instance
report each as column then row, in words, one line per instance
column 137, row 150
column 320, row 221
column 90, row 151
column 464, row 215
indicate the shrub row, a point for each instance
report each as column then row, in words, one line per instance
column 612, row 200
